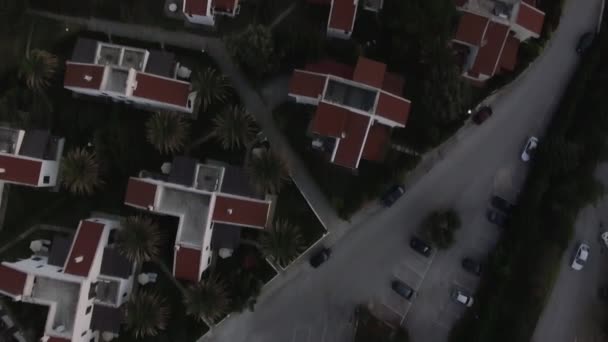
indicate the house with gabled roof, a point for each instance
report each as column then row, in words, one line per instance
column 213, row 203
column 356, row 108
column 82, row 280
column 489, row 33
column 147, row 78
column 342, row 15
column 203, row 12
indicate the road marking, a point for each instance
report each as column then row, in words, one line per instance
column 324, row 331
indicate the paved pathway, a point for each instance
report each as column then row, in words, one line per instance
column 249, row 96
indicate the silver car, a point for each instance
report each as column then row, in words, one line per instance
column 581, row 257
column 529, row 149
column 462, row 297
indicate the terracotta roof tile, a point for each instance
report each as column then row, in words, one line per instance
column 393, row 83
column 369, row 72
column 13, row 281
column 241, row 211
column 393, row 108
column 530, row 18
column 377, row 142
column 187, row 264
column 329, row 120
column 508, row 59
column 162, row 89
column 471, row 28
column 342, row 16
column 195, row 7
column 77, row 75
column 331, row 68
column 490, row 50
column 140, row 193
column 306, row 84
column 349, row 148
column 85, row 246
column 20, row 170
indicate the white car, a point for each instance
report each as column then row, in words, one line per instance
column 461, row 297
column 581, row 257
column 604, row 237
column 529, row 149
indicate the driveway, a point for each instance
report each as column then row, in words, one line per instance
column 317, row 305
column 574, row 311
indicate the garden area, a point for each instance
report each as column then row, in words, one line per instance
column 524, row 266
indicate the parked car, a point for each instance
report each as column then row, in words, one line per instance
column 402, row 289
column 496, row 217
column 461, row 297
column 529, row 149
column 502, row 204
column 320, row 257
column 585, row 42
column 471, row 266
column 482, row 114
column 604, row 238
column 420, row 246
column 392, row 195
column 581, row 257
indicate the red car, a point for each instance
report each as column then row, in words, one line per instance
column 482, row 114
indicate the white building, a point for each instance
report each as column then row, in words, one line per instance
column 127, row 74
column 82, row 281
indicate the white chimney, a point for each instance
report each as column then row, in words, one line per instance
column 88, row 78
column 79, row 259
column 229, row 211
column 2, row 170
column 343, row 135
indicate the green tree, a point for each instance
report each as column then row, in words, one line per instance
column 440, row 227
column 282, row 243
column 139, row 239
column 37, row 69
column 167, row 131
column 233, row 127
column 253, row 48
column 80, row 172
column 245, row 288
column 267, row 171
column 207, row 300
column 146, row 313
column 211, row 87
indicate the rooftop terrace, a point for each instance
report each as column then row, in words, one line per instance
column 192, row 207
column 65, row 294
column 350, row 95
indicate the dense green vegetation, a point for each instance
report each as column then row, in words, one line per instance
column 524, row 265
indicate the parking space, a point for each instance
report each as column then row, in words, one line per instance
column 323, row 331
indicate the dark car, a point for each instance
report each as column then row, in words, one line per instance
column 392, row 195
column 585, row 42
column 320, row 257
column 502, row 204
column 471, row 266
column 482, row 114
column 402, row 289
column 420, row 246
column 497, row 217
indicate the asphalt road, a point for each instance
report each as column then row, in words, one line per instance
column 317, row 305
column 574, row 311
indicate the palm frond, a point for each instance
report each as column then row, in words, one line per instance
column 282, row 243
column 80, row 172
column 37, row 69
column 139, row 239
column 146, row 314
column 167, row 131
column 207, row 300
column 267, row 172
column 233, row 127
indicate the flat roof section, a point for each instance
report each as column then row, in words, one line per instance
column 140, row 193
column 192, row 208
column 64, row 293
column 471, row 28
column 306, row 84
column 162, row 89
column 343, row 14
column 329, row 120
column 187, row 264
column 20, row 170
column 369, row 72
column 349, row 147
column 13, row 281
column 88, row 76
column 350, row 95
column 84, row 248
column 241, row 211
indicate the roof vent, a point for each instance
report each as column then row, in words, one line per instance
column 79, row 259
column 88, row 78
column 229, row 211
column 343, row 135
column 150, row 207
column 2, row 170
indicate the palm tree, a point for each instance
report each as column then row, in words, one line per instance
column 146, row 313
column 139, row 239
column 233, row 127
column 167, row 131
column 211, row 87
column 282, row 243
column 207, row 300
column 80, row 172
column 37, row 69
column 267, row 171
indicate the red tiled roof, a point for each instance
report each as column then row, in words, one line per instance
column 331, row 68
column 349, row 148
column 85, row 245
column 225, row 5
column 393, row 83
column 489, row 52
column 329, row 120
column 342, row 15
column 306, row 84
column 20, row 170
column 162, row 89
column 369, row 72
column 471, row 28
column 241, row 211
column 75, row 75
column 377, row 142
column 530, row 18
column 140, row 193
column 13, row 281
column 508, row 58
column 393, row 108
column 195, row 7
column 187, row 264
